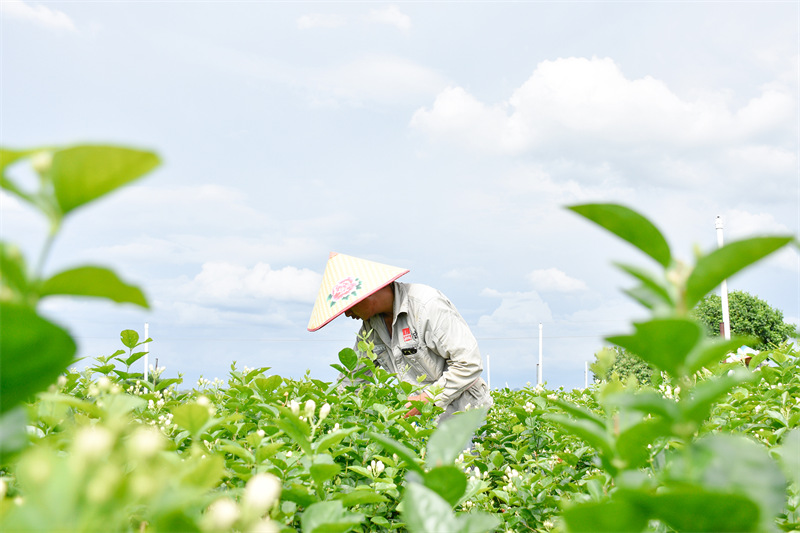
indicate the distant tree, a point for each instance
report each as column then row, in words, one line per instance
column 749, row 315
column 625, row 364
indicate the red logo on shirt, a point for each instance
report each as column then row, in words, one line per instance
column 406, row 334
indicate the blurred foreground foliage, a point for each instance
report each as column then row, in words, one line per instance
column 707, row 446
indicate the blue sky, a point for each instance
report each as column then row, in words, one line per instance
column 441, row 137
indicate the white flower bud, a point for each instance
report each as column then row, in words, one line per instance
column 261, row 491
column 324, row 411
column 222, row 514
column 264, row 526
column 42, row 161
column 295, row 407
column 145, row 442
column 93, row 442
column 311, row 406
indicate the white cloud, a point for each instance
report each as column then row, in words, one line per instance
column 516, row 309
column 572, row 101
column 232, row 284
column 392, row 16
column 38, row 14
column 321, row 20
column 738, row 224
column 554, row 280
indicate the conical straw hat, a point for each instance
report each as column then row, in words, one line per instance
column 348, row 280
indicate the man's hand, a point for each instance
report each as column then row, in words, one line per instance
column 417, row 398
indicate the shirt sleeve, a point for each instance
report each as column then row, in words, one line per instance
column 453, row 340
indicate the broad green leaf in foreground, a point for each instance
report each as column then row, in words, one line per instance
column 664, row 343
column 425, row 511
column 630, row 226
column 602, row 517
column 697, row 510
column 452, row 437
column 191, row 416
column 448, row 481
column 714, row 268
column 33, row 352
column 84, row 173
column 93, row 281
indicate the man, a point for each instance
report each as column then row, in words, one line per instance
column 416, row 331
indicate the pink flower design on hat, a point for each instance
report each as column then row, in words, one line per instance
column 344, row 289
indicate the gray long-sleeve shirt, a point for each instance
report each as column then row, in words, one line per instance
column 430, row 338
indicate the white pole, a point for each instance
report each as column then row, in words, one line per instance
column 723, row 291
column 539, row 377
column 489, row 371
column 146, row 348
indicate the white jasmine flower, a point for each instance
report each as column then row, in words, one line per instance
column 311, row 406
column 222, row 514
column 264, row 526
column 93, row 442
column 324, row 411
column 145, row 442
column 295, row 407
column 261, row 491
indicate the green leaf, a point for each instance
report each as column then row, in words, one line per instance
column 13, row 272
column 391, row 445
column 714, row 351
column 360, row 497
column 129, row 338
column 732, row 464
column 8, row 158
column 329, row 517
column 349, row 358
column 655, row 287
column 117, row 406
column 424, row 511
column 602, row 517
column 706, row 394
column 84, row 173
column 269, row 384
column 449, row 482
column 93, row 281
column 13, row 436
column 191, row 416
column 133, row 358
column 632, row 443
column 164, row 383
column 477, row 523
column 586, row 430
column 323, row 468
column 664, row 343
column 630, row 226
column 328, row 440
column 789, row 455
column 651, row 403
column 579, row 412
column 698, row 510
column 452, row 436
column 33, row 352
column 298, row 430
column 712, row 269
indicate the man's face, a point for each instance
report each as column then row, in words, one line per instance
column 365, row 309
